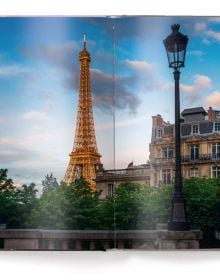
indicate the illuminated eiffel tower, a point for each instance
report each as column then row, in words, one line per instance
column 84, row 158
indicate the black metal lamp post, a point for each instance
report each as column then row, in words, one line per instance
column 175, row 45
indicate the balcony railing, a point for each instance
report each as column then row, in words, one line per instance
column 123, row 173
column 201, row 157
column 188, row 158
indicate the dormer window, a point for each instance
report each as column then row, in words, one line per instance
column 217, row 127
column 195, row 128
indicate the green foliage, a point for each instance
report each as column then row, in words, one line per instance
column 16, row 204
column 49, row 212
column 25, row 201
column 133, row 206
column 67, row 207
column 49, row 183
column 5, row 183
column 201, row 200
column 136, row 206
column 84, row 206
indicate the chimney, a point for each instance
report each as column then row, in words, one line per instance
column 211, row 114
column 157, row 120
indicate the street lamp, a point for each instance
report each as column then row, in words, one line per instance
column 175, row 45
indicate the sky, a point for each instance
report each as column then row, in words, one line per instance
column 39, row 74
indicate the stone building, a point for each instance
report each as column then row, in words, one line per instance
column 200, row 146
column 108, row 180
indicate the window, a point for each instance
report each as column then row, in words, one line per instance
column 110, row 189
column 217, row 127
column 216, row 150
column 166, row 176
column 215, row 171
column 194, row 152
column 167, row 153
column 194, row 172
column 159, row 133
column 195, row 128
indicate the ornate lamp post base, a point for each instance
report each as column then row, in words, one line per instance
column 178, row 216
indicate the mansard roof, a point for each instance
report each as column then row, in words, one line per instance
column 194, row 111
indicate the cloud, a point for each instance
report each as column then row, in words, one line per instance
column 38, row 137
column 213, row 99
column 201, row 82
column 213, row 34
column 60, row 55
column 6, row 141
column 16, row 70
column 105, row 97
column 132, row 77
column 139, row 65
column 200, row 26
column 206, row 32
column 12, row 150
column 34, row 115
column 144, row 76
column 20, row 156
column 65, row 58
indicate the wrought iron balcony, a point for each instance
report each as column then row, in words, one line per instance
column 201, row 157
column 123, row 173
column 188, row 159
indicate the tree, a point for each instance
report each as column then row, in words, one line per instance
column 5, row 182
column 201, row 197
column 49, row 183
column 68, row 207
column 50, row 211
column 27, row 201
column 136, row 206
column 84, row 206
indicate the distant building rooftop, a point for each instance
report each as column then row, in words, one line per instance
column 196, row 110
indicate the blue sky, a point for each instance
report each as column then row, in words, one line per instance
column 39, row 73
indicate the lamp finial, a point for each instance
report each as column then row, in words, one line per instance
column 175, row 27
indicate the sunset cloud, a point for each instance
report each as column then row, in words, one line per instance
column 200, row 26
column 200, row 83
column 213, row 99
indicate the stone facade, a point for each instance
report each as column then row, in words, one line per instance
column 108, row 180
column 200, row 146
column 200, row 151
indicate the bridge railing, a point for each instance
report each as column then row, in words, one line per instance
column 31, row 239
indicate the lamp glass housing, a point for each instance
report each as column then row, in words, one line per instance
column 175, row 45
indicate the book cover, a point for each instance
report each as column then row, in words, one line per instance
column 110, row 133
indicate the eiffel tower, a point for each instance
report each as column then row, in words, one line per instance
column 84, row 158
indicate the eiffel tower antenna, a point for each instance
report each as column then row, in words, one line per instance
column 84, row 40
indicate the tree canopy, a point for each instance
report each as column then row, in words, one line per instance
column 132, row 206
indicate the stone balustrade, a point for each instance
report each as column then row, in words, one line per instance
column 28, row 239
